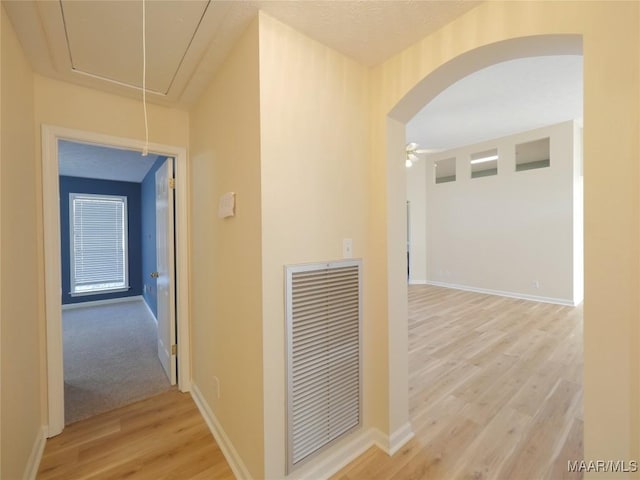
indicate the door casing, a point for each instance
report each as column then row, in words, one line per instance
column 51, row 229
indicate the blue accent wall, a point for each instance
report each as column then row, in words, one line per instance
column 105, row 187
column 149, row 262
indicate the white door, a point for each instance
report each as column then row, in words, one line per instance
column 165, row 270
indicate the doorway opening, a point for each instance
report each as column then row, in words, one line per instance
column 115, row 242
column 124, row 283
column 475, row 406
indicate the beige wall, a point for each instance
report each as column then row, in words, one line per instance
column 226, row 293
column 314, row 130
column 611, row 45
column 302, row 135
column 66, row 105
column 20, row 312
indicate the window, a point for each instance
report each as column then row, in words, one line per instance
column 532, row 155
column 98, row 225
column 445, row 170
column 484, row 164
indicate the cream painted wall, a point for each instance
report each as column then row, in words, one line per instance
column 503, row 233
column 226, row 294
column 20, row 409
column 66, row 105
column 314, row 130
column 611, row 44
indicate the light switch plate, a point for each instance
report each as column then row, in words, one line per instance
column 227, row 205
column 347, row 248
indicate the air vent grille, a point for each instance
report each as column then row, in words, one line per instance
column 323, row 355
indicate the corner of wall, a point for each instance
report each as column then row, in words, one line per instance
column 234, row 459
column 33, row 463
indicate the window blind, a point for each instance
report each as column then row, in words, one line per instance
column 98, row 226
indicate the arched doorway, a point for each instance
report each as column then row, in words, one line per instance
column 612, row 276
column 423, row 92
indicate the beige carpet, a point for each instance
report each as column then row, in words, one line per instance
column 110, row 358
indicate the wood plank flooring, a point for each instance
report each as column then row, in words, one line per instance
column 163, row 437
column 495, row 391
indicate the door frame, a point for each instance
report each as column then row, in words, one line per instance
column 52, row 275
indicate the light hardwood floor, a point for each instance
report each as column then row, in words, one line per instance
column 163, row 437
column 495, row 391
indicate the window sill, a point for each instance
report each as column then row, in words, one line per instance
column 99, row 292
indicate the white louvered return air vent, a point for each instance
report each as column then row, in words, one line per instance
column 323, row 355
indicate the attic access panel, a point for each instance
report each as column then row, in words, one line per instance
column 104, row 39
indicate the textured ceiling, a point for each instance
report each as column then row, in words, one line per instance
column 99, row 39
column 501, row 100
column 188, row 40
column 91, row 161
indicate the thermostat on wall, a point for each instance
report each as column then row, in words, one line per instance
column 227, row 205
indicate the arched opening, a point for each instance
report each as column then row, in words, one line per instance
column 421, row 94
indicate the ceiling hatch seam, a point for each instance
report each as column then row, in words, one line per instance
column 75, row 69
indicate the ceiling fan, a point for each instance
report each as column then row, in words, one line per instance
column 413, row 151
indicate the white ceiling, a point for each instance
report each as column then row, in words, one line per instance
column 92, row 161
column 99, row 43
column 501, row 100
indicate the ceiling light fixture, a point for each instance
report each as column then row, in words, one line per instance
column 484, row 159
column 145, row 149
column 413, row 153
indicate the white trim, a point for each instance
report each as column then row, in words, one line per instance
column 105, row 291
column 390, row 444
column 106, row 301
column 336, row 458
column 149, row 310
column 325, row 466
column 418, row 282
column 33, row 463
column 500, row 293
column 233, row 458
column 399, row 438
column 51, row 223
column 379, row 439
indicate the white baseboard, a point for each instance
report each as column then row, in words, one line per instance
column 500, row 293
column 33, row 463
column 390, row 444
column 322, row 468
column 149, row 310
column 399, row 438
column 238, row 467
column 346, row 452
column 417, row 282
column 96, row 303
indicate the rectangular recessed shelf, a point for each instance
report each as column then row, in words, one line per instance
column 484, row 164
column 445, row 170
column 533, row 155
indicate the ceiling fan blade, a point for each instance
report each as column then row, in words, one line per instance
column 428, row 150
